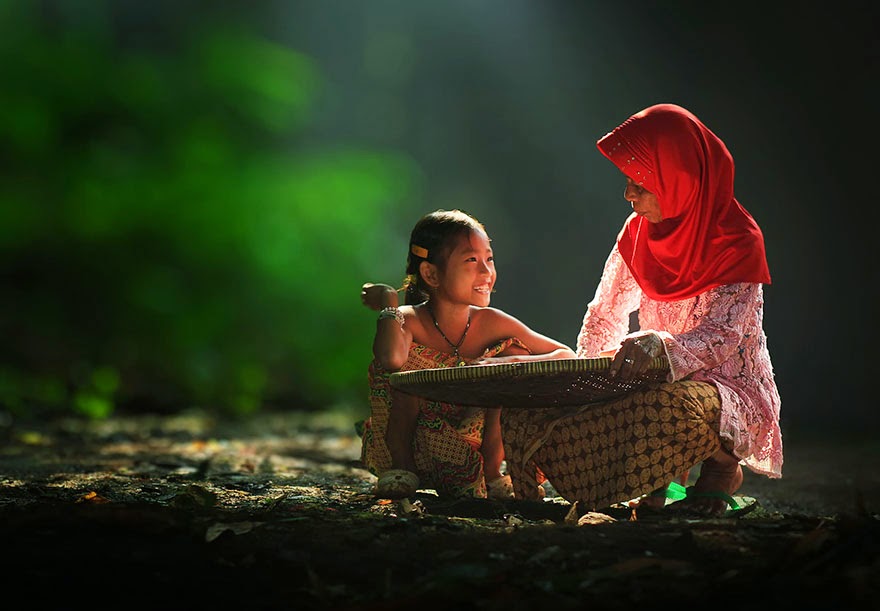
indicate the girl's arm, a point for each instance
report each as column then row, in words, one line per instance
column 392, row 339
column 492, row 447
column 501, row 325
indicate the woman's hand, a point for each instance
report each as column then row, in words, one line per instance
column 635, row 355
column 379, row 296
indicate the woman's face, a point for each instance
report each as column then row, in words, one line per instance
column 644, row 203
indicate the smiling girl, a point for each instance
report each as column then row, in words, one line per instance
column 411, row 442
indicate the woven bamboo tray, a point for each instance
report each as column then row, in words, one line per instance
column 530, row 384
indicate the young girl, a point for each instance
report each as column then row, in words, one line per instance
column 411, row 442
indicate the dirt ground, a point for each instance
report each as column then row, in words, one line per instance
column 276, row 512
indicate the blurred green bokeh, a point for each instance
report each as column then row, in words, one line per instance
column 169, row 236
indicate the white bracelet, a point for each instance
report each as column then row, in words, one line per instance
column 651, row 344
column 394, row 313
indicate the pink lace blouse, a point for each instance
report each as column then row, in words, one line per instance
column 716, row 337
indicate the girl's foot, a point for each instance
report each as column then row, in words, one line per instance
column 397, row 484
column 500, row 488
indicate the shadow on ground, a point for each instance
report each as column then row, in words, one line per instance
column 276, row 512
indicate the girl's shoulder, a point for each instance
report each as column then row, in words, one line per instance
column 495, row 320
column 489, row 313
column 485, row 311
column 411, row 316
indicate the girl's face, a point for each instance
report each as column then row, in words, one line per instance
column 644, row 203
column 469, row 275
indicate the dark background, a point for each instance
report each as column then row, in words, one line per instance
column 189, row 222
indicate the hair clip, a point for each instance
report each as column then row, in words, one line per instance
column 418, row 251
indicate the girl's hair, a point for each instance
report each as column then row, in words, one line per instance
column 432, row 239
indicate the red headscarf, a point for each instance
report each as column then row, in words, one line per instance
column 706, row 238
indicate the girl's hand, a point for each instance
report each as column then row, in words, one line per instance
column 378, row 296
column 498, row 360
column 518, row 356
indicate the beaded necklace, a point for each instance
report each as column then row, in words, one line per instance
column 459, row 360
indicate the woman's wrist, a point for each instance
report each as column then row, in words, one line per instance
column 650, row 343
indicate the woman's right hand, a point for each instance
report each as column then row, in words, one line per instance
column 635, row 355
column 379, row 296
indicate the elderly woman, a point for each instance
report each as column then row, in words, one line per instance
column 691, row 261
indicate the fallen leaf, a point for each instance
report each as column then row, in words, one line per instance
column 92, row 497
column 238, row 528
column 513, row 520
column 408, row 507
column 593, row 517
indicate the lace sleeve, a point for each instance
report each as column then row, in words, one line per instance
column 606, row 321
column 721, row 316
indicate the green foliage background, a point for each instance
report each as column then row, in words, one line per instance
column 169, row 236
column 191, row 193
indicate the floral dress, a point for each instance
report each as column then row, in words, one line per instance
column 448, row 437
column 720, row 391
column 715, row 337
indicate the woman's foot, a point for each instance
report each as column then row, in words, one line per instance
column 654, row 501
column 657, row 500
column 720, row 473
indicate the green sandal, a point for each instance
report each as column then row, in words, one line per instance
column 737, row 505
column 673, row 492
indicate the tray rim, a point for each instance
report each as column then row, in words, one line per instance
column 502, row 371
